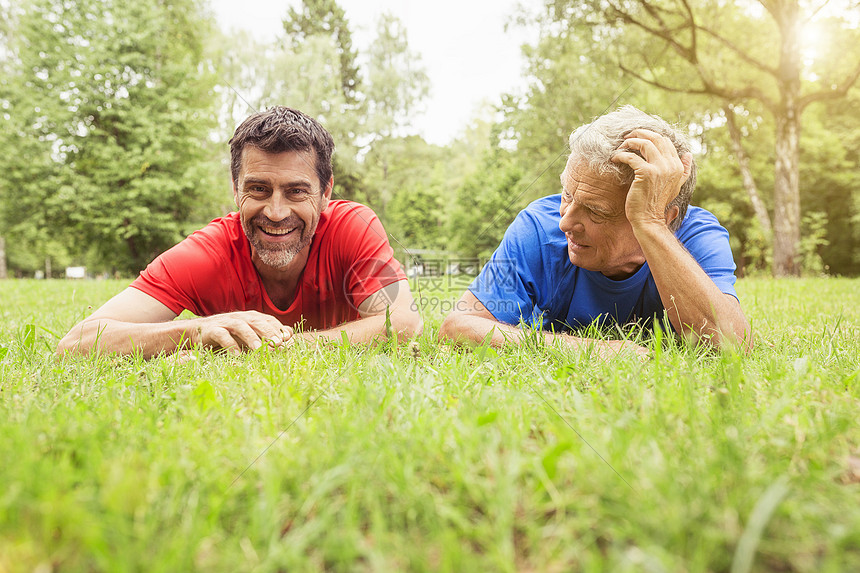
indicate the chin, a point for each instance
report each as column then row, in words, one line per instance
column 276, row 259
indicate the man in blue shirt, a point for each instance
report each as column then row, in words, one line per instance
column 618, row 245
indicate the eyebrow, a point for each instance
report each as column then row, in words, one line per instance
column 599, row 209
column 262, row 181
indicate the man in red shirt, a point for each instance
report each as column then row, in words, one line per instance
column 290, row 263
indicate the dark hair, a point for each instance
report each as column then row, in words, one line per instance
column 280, row 129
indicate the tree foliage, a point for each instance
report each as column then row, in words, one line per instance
column 486, row 204
column 734, row 53
column 723, row 69
column 114, row 120
column 111, row 101
column 326, row 18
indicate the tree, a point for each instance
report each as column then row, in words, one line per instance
column 830, row 170
column 396, row 85
column 539, row 122
column 327, row 18
column 115, row 101
column 486, row 204
column 735, row 53
column 396, row 80
column 415, row 214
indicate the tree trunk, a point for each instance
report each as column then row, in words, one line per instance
column 786, row 195
column 3, row 271
column 786, row 192
column 746, row 174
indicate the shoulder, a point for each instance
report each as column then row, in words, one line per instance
column 346, row 215
column 205, row 252
column 708, row 242
column 534, row 240
column 544, row 210
column 538, row 222
column 699, row 222
column 211, row 267
column 221, row 231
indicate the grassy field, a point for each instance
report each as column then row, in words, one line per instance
column 434, row 458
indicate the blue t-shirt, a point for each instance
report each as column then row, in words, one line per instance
column 530, row 277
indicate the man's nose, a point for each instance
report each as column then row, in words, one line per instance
column 571, row 219
column 278, row 207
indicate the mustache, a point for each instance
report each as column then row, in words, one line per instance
column 288, row 223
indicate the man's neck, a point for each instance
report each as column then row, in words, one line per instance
column 281, row 284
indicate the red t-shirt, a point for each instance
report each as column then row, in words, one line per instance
column 211, row 271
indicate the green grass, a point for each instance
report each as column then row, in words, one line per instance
column 375, row 459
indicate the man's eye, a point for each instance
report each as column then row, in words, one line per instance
column 257, row 189
column 597, row 217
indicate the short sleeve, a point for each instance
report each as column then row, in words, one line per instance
column 190, row 275
column 367, row 254
column 708, row 242
column 508, row 284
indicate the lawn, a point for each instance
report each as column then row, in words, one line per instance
column 427, row 457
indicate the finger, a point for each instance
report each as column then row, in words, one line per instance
column 634, row 160
column 687, row 161
column 219, row 337
column 183, row 356
column 266, row 326
column 661, row 142
column 646, row 148
column 281, row 337
column 652, row 145
column 242, row 332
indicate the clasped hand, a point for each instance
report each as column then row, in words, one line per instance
column 659, row 174
column 239, row 331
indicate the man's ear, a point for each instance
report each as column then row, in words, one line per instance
column 672, row 212
column 326, row 196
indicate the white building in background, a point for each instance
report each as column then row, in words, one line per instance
column 76, row 272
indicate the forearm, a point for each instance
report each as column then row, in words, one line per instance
column 404, row 325
column 114, row 336
column 694, row 304
column 473, row 329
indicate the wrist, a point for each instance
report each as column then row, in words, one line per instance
column 191, row 333
column 649, row 227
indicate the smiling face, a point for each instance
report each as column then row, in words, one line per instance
column 280, row 201
column 599, row 236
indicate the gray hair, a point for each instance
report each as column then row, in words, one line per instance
column 596, row 143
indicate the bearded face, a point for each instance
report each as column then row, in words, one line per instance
column 280, row 201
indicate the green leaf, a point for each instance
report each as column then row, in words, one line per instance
column 389, row 332
column 29, row 340
column 204, row 395
column 551, row 457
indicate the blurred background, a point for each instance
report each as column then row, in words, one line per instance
column 448, row 118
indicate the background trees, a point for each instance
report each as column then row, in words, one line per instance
column 735, row 54
column 114, row 120
column 105, row 130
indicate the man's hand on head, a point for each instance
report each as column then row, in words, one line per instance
column 658, row 175
column 236, row 332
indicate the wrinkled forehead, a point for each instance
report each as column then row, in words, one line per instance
column 578, row 175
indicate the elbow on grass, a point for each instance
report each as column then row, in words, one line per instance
column 408, row 327
column 68, row 346
column 453, row 329
column 448, row 330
